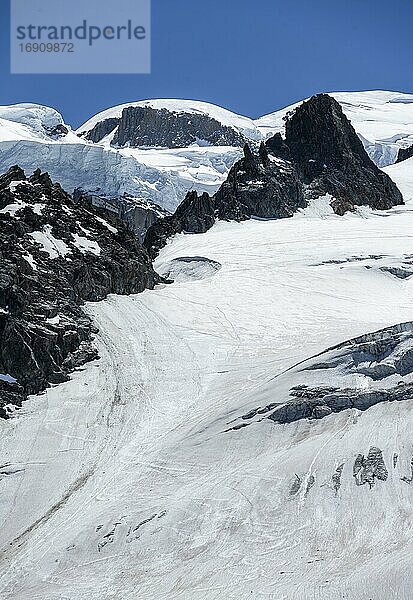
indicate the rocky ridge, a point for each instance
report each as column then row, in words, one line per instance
column 321, row 155
column 404, row 154
column 56, row 253
column 333, row 381
column 143, row 126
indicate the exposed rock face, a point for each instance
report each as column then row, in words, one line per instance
column 383, row 358
column 331, row 158
column 310, row 407
column 321, row 154
column 404, row 154
column 54, row 255
column 195, row 214
column 101, row 130
column 262, row 186
column 368, row 469
column 147, row 126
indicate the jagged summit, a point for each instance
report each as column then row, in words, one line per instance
column 320, row 155
column 330, row 157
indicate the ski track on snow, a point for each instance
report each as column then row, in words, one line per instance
column 129, row 486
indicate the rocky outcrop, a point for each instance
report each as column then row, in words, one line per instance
column 331, row 159
column 195, row 214
column 146, row 126
column 55, row 254
column 383, row 359
column 101, row 130
column 260, row 185
column 369, row 469
column 404, row 154
column 315, row 403
column 320, row 155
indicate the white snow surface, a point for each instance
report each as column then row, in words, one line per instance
column 54, row 247
column 85, row 245
column 123, row 483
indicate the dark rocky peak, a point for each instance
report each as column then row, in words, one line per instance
column 55, row 254
column 146, row 126
column 330, row 158
column 320, row 135
column 42, row 179
column 195, row 214
column 259, row 185
column 404, row 154
column 320, row 155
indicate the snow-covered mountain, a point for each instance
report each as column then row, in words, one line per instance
column 383, row 120
column 247, row 429
column 163, row 175
column 191, row 110
column 160, row 176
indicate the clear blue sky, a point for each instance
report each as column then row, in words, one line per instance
column 249, row 56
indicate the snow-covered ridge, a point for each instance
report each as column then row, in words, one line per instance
column 34, row 122
column 383, row 120
column 243, row 125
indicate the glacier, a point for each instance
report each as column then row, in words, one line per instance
column 135, row 483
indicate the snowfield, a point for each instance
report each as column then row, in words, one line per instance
column 129, row 481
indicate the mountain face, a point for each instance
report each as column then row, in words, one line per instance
column 191, row 139
column 147, row 126
column 321, row 155
column 331, row 158
column 55, row 255
column 383, row 121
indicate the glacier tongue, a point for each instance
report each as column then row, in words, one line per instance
column 133, row 487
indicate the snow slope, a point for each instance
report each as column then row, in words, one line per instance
column 383, row 120
column 132, row 487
